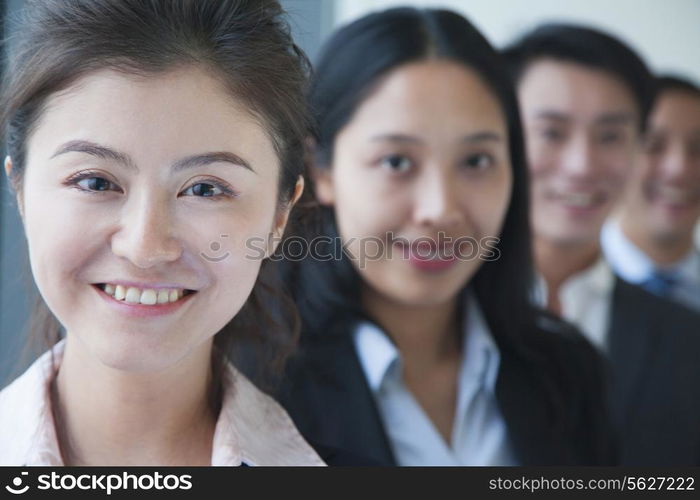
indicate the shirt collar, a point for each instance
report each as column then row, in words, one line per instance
column 689, row 267
column 635, row 266
column 627, row 260
column 480, row 355
column 597, row 279
column 252, row 428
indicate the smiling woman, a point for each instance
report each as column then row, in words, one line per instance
column 148, row 142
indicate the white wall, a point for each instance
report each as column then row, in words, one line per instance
column 665, row 32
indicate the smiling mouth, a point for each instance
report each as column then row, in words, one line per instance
column 144, row 296
column 580, row 200
column 674, row 196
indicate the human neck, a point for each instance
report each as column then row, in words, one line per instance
column 557, row 262
column 662, row 251
column 425, row 335
column 111, row 417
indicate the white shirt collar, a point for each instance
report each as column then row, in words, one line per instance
column 585, row 299
column 252, row 428
column 635, row 266
column 481, row 358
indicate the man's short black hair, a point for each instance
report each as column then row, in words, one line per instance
column 588, row 47
column 665, row 83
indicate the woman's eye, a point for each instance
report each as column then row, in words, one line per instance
column 203, row 189
column 96, row 184
column 397, row 163
column 479, row 161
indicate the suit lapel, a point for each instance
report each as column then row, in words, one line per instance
column 526, row 413
column 630, row 340
column 357, row 426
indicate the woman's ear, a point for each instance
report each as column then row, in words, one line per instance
column 283, row 216
column 8, row 172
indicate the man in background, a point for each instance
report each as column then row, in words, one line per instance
column 651, row 243
column 585, row 98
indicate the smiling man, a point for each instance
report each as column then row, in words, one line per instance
column 584, row 98
column 651, row 244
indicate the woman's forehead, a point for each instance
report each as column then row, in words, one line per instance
column 176, row 114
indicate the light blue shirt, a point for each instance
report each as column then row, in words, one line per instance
column 479, row 433
column 633, row 265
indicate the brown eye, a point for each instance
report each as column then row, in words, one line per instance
column 203, row 189
column 396, row 163
column 96, row 184
column 479, row 161
column 211, row 189
column 552, row 134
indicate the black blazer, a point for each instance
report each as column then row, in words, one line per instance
column 654, row 351
column 553, row 398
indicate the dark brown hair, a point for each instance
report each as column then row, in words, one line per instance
column 245, row 43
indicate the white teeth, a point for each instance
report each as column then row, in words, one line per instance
column 674, row 195
column 163, row 297
column 149, row 297
column 578, row 199
column 133, row 295
column 146, row 297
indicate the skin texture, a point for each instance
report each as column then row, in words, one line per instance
column 127, row 379
column 426, row 153
column 662, row 205
column 581, row 135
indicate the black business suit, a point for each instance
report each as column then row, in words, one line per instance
column 552, row 398
column 654, row 352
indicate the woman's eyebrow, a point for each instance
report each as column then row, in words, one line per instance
column 96, row 150
column 215, row 157
column 107, row 153
column 484, row 136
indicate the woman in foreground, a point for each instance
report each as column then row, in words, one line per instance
column 147, row 143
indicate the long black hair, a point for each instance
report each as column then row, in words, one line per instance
column 351, row 64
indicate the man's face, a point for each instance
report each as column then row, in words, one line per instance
column 664, row 194
column 581, row 130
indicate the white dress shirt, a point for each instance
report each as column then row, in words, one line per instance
column 585, row 300
column 251, row 428
column 479, row 434
column 633, row 265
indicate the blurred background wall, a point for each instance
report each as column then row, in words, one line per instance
column 666, row 33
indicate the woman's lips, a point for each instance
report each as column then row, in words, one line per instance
column 428, row 257
column 433, row 265
column 138, row 310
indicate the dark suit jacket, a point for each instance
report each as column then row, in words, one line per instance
column 654, row 351
column 553, row 398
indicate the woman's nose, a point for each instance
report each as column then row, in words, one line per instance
column 437, row 201
column 146, row 235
